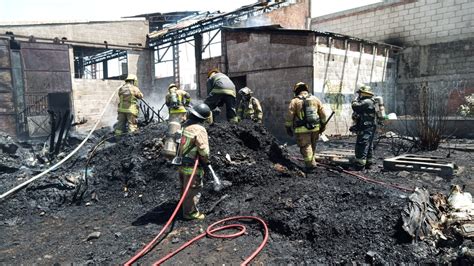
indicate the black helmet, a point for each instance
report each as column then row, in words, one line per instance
column 201, row 111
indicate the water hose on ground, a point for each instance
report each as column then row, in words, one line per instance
column 210, row 231
column 18, row 187
column 362, row 177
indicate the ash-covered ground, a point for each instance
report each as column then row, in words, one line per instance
column 129, row 191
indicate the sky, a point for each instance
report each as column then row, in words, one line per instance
column 70, row 10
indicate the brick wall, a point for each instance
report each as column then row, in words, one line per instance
column 114, row 32
column 404, row 22
column 295, row 16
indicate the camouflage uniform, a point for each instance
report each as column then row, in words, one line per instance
column 128, row 108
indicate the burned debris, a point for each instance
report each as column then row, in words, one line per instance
column 342, row 139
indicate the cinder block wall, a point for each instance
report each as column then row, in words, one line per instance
column 446, row 68
column 89, row 99
column 404, row 22
column 438, row 37
column 272, row 63
column 114, row 32
column 341, row 67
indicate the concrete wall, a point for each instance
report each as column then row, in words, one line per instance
column 89, row 98
column 404, row 22
column 114, row 32
column 272, row 63
column 340, row 68
column 446, row 68
column 7, row 107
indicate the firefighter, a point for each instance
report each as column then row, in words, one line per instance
column 129, row 94
column 307, row 120
column 249, row 107
column 221, row 90
column 194, row 145
column 177, row 101
column 365, row 123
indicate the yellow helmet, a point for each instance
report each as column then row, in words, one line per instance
column 213, row 70
column 172, row 85
column 245, row 91
column 131, row 77
column 367, row 90
column 300, row 86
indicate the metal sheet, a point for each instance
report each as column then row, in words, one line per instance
column 46, row 60
column 46, row 82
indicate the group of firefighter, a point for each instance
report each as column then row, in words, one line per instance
column 305, row 120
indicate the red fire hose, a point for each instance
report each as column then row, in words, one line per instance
column 363, row 178
column 210, row 231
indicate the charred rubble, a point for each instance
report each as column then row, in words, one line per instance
column 125, row 191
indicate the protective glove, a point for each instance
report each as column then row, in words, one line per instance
column 289, row 131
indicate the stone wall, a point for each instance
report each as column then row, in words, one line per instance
column 404, row 22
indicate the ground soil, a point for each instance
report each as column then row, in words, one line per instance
column 130, row 191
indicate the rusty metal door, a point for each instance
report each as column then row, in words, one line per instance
column 46, row 70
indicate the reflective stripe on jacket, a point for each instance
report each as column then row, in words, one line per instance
column 296, row 113
column 220, row 84
column 128, row 95
column 184, row 99
column 250, row 109
column 194, row 143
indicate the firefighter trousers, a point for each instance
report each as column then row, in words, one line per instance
column 194, row 193
column 122, row 120
column 307, row 143
column 364, row 147
column 215, row 100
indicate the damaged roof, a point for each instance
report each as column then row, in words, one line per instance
column 208, row 21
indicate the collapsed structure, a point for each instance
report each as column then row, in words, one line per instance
column 395, row 58
column 50, row 71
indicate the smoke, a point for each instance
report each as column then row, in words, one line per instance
column 257, row 21
column 156, row 99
